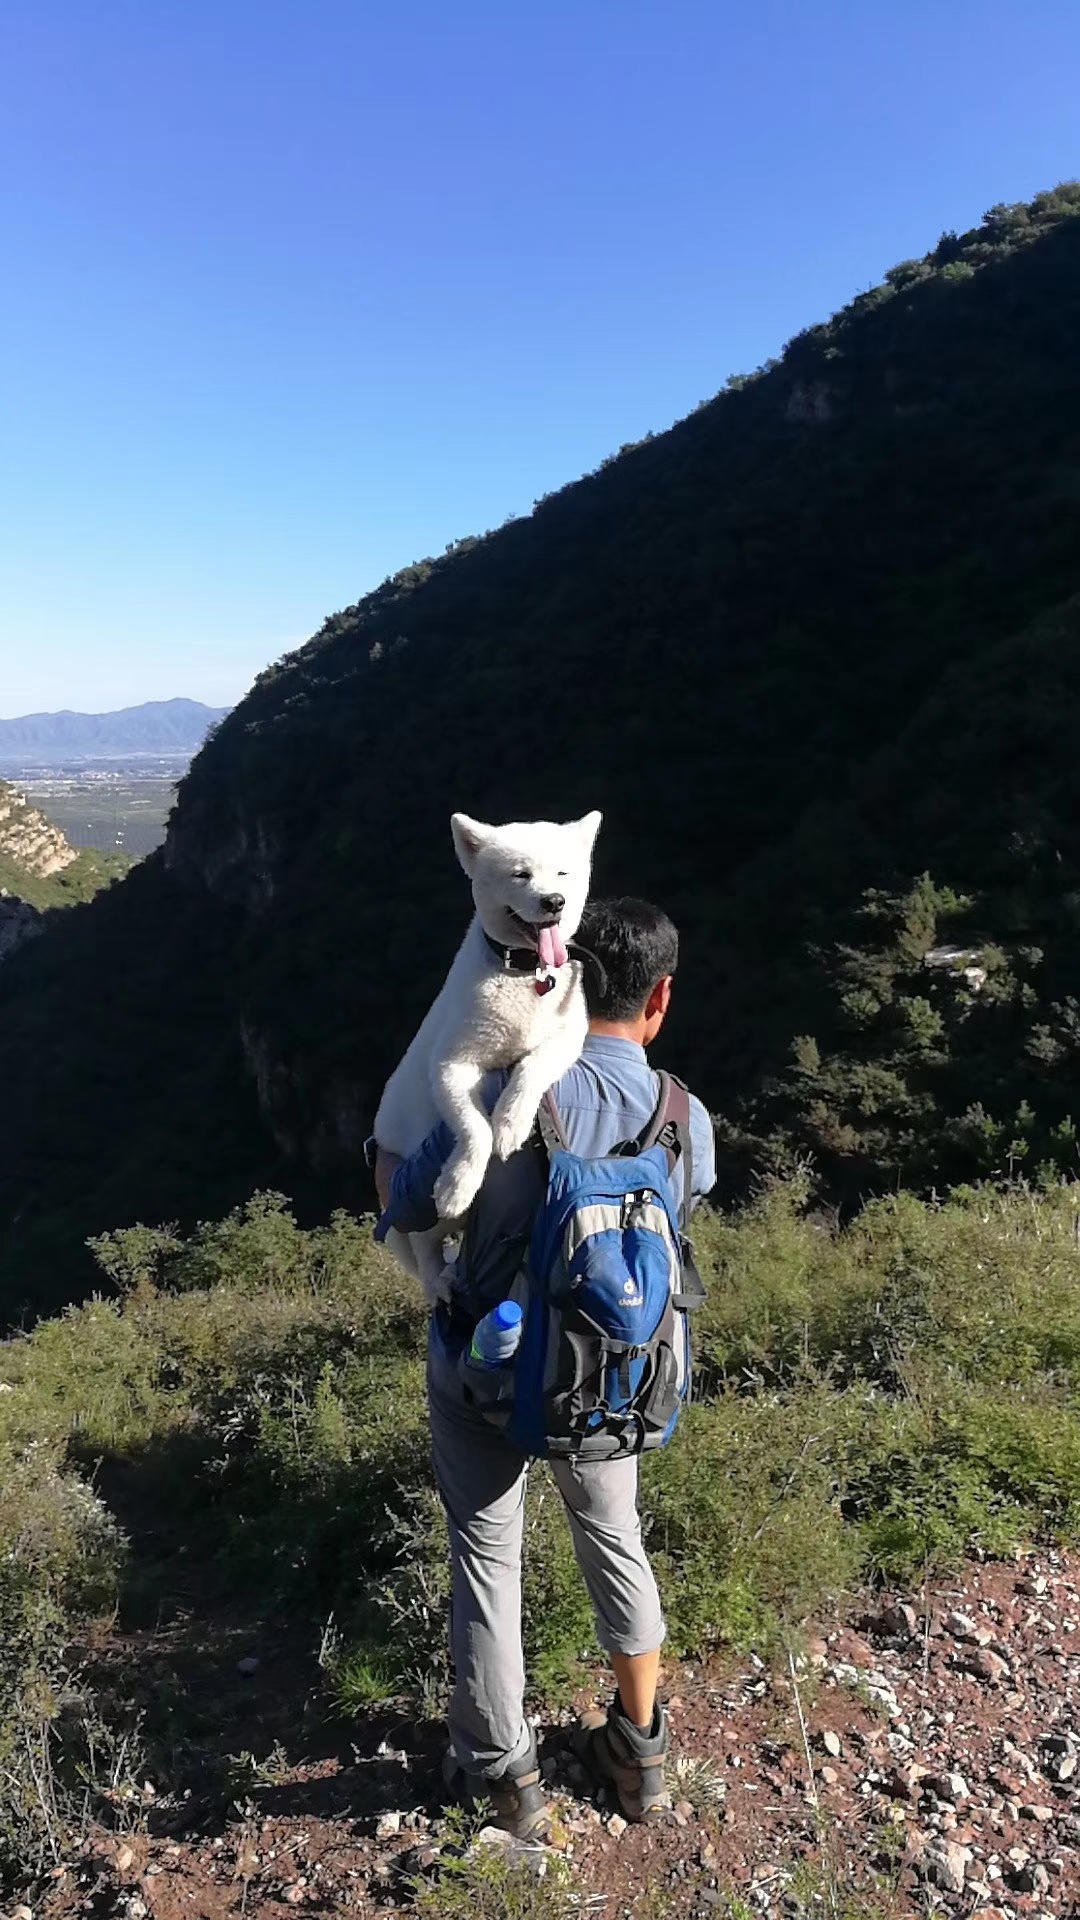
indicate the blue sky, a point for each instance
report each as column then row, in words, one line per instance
column 297, row 293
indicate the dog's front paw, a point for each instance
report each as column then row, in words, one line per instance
column 511, row 1127
column 456, row 1189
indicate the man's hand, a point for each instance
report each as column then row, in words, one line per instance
column 386, row 1165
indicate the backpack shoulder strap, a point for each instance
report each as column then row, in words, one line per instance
column 671, row 1115
column 549, row 1121
column 651, row 1133
column 673, row 1111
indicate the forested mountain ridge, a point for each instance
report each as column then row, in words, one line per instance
column 817, row 640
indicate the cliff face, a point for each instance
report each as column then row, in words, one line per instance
column 771, row 644
column 27, row 840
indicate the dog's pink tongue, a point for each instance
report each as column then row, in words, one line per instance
column 549, row 944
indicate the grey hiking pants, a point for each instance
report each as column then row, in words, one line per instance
column 481, row 1480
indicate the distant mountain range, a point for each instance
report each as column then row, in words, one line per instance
column 156, row 727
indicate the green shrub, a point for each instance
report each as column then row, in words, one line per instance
column 742, row 1515
column 985, row 1283
column 960, row 1467
column 61, row 1556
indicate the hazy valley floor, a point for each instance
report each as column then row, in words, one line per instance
column 113, row 808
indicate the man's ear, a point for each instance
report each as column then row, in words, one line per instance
column 659, row 999
column 469, row 836
column 587, row 828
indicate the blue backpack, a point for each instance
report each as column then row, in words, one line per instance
column 606, row 1287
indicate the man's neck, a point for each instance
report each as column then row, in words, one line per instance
column 621, row 1029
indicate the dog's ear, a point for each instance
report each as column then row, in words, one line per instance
column 587, row 828
column 469, row 836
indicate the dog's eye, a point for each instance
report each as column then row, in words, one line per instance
column 560, row 876
column 521, row 873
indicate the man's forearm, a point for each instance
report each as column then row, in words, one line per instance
column 386, row 1165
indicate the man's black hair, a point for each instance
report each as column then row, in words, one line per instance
column 636, row 944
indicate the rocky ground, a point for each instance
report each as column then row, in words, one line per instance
column 924, row 1757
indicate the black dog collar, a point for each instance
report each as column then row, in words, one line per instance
column 513, row 959
column 524, row 960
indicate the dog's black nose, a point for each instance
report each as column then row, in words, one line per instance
column 553, row 903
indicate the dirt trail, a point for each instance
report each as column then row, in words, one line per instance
column 940, row 1764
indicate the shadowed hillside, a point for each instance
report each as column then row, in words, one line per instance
column 818, row 639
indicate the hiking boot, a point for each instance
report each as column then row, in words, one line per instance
column 633, row 1762
column 517, row 1797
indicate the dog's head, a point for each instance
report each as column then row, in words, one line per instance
column 530, row 880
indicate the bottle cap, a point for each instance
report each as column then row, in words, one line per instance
column 507, row 1315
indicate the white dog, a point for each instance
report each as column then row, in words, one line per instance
column 512, row 999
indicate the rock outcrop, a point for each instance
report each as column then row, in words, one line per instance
column 28, row 840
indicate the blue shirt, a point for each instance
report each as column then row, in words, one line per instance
column 608, row 1096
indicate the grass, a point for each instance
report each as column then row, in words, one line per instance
column 247, row 1408
column 697, row 1781
column 486, row 1883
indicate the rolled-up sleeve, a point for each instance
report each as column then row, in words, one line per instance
column 410, row 1207
column 703, row 1144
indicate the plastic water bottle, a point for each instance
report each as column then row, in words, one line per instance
column 497, row 1336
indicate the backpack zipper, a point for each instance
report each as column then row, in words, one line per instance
column 633, row 1207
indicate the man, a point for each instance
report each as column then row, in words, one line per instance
column 605, row 1100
